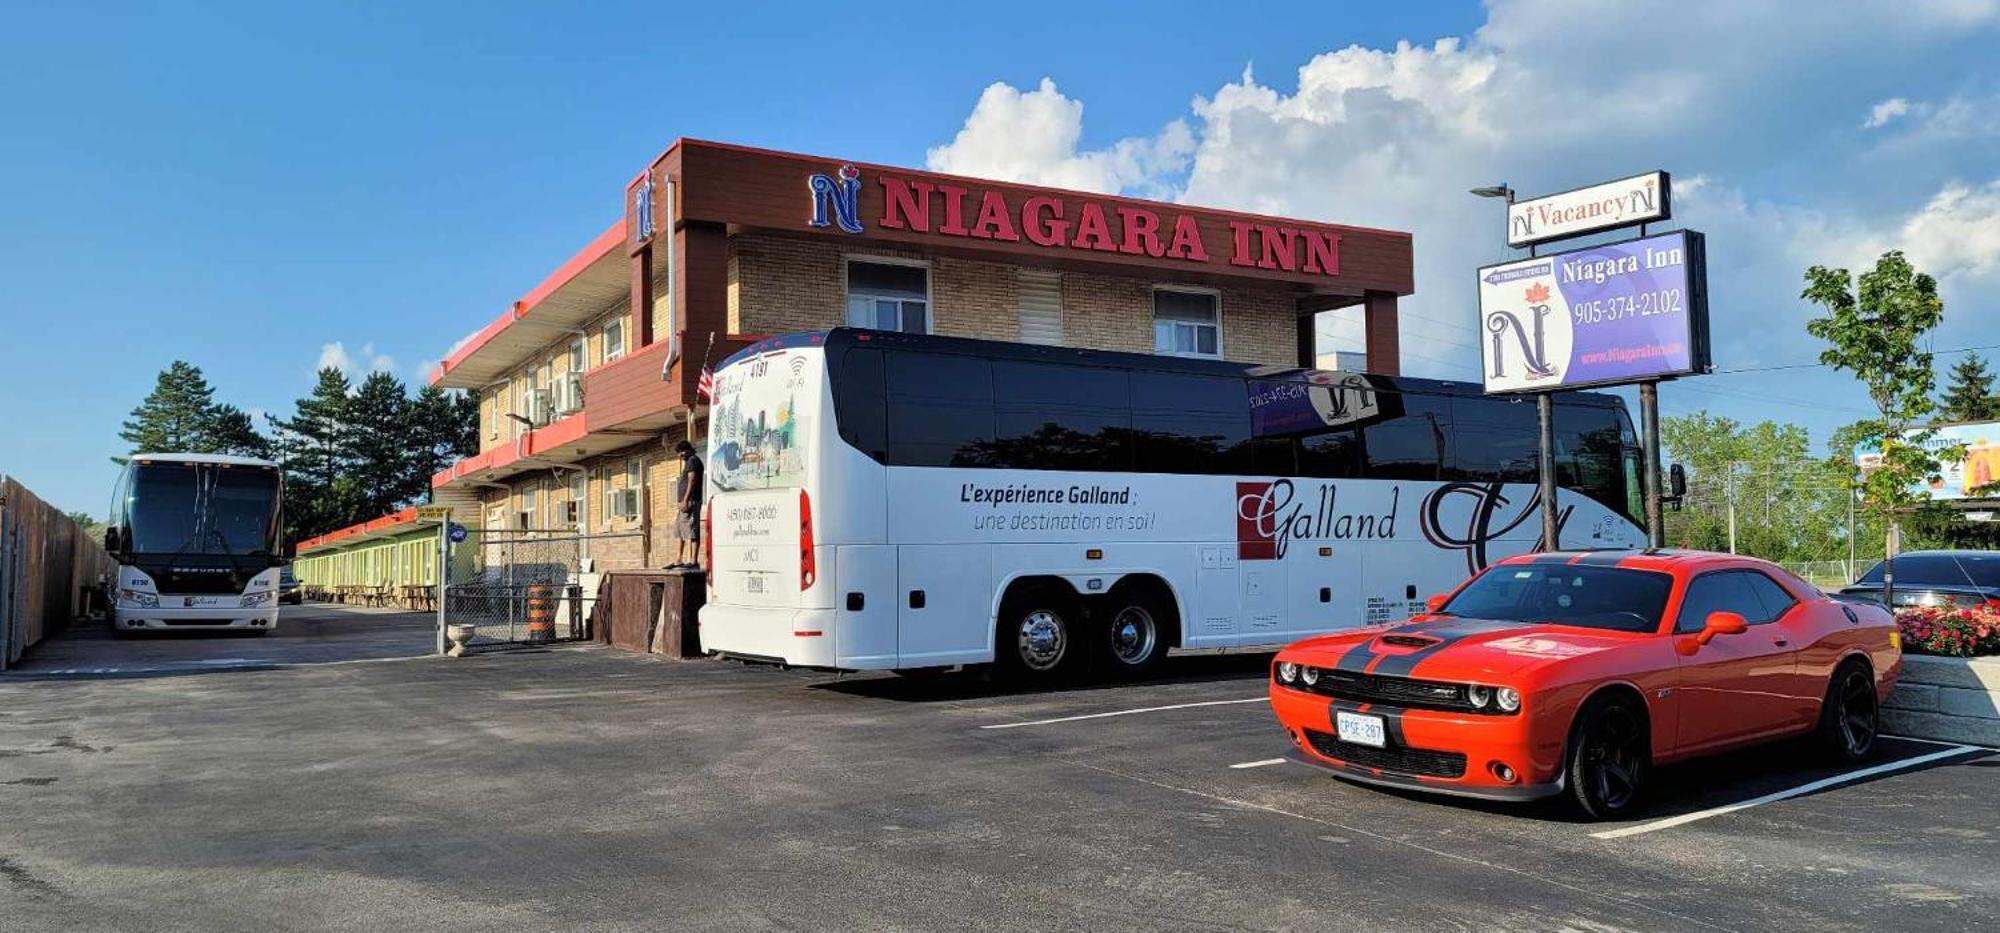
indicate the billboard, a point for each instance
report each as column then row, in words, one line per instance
column 1640, row 199
column 1962, row 480
column 1630, row 311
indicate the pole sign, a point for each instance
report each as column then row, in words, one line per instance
column 433, row 513
column 1630, row 311
column 1639, row 199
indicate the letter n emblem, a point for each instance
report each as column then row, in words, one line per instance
column 839, row 197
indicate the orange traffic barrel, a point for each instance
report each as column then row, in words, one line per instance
column 541, row 612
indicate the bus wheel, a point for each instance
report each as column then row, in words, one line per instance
column 1037, row 637
column 1134, row 640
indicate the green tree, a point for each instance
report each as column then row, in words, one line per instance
column 231, row 431
column 175, row 417
column 1969, row 397
column 314, row 447
column 1788, row 505
column 445, row 426
column 1874, row 331
column 380, row 442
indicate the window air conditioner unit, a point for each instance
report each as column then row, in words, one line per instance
column 569, row 394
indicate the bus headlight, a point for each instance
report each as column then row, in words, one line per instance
column 142, row 600
column 1287, row 672
column 255, row 599
column 1507, row 699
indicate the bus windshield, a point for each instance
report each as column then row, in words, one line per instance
column 189, row 508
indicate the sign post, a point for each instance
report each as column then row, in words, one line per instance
column 1631, row 311
column 441, row 514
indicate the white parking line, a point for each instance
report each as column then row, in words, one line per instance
column 1122, row 712
column 1912, row 738
column 1821, row 784
column 1258, row 764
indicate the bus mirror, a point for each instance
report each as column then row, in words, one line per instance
column 1677, row 480
column 111, row 539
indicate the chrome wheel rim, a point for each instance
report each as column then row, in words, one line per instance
column 1613, row 756
column 1043, row 640
column 1857, row 713
column 1133, row 635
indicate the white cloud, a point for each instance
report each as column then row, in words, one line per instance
column 1392, row 137
column 1882, row 113
column 1032, row 136
column 336, row 355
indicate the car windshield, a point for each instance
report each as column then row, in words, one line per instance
column 1588, row 597
column 1972, row 568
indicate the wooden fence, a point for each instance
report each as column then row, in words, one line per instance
column 49, row 570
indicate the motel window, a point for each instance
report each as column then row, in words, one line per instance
column 1041, row 307
column 577, row 363
column 528, row 498
column 1186, row 323
column 579, row 493
column 888, row 296
column 493, row 416
column 614, row 338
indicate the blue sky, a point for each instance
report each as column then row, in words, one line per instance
column 246, row 187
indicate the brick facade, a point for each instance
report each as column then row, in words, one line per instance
column 780, row 284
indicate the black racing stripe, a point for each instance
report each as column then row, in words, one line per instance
column 1605, row 558
column 1448, row 634
column 1355, row 660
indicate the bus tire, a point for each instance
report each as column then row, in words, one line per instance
column 1134, row 633
column 1037, row 639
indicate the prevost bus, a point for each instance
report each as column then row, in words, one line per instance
column 195, row 538
column 881, row 500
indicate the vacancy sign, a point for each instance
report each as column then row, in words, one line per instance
column 1637, row 200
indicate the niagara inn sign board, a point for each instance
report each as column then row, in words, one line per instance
column 1630, row 311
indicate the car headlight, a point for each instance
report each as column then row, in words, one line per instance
column 1478, row 696
column 1309, row 675
column 1508, row 699
column 255, row 599
column 1287, row 672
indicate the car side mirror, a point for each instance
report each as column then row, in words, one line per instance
column 1435, row 604
column 1721, row 623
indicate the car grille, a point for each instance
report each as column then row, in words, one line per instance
column 1405, row 692
column 1413, row 761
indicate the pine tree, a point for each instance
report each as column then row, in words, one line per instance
column 230, row 431
column 381, row 442
column 1969, row 397
column 315, row 448
column 175, row 417
column 445, row 427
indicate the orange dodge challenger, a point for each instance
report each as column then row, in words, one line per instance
column 1575, row 673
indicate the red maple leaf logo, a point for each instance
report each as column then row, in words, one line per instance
column 1538, row 293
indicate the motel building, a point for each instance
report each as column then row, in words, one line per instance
column 587, row 380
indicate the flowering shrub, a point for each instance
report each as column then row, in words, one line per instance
column 1956, row 632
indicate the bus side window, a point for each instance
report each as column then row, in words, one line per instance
column 859, row 402
column 1050, row 416
column 1589, row 452
column 1189, row 424
column 1496, row 439
column 1414, row 445
column 940, row 409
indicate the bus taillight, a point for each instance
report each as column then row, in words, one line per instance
column 708, row 542
column 807, row 567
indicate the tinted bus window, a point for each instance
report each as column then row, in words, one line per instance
column 940, row 410
column 1496, row 439
column 1590, row 453
column 859, row 401
column 1057, row 417
column 1334, row 453
column 1189, row 424
column 1415, row 445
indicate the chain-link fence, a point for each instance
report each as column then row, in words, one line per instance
column 528, row 587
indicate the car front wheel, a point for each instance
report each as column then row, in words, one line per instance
column 1609, row 755
column 1849, row 717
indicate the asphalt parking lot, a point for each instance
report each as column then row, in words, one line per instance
column 580, row 787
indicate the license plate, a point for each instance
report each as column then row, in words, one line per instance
column 1359, row 729
column 753, row 583
column 200, row 601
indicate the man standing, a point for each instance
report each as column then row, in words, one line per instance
column 687, row 500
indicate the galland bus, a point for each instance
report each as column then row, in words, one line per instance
column 891, row 501
column 195, row 538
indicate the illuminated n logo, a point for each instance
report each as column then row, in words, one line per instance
column 840, row 197
column 642, row 209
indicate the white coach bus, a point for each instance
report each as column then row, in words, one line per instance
column 195, row 538
column 888, row 501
